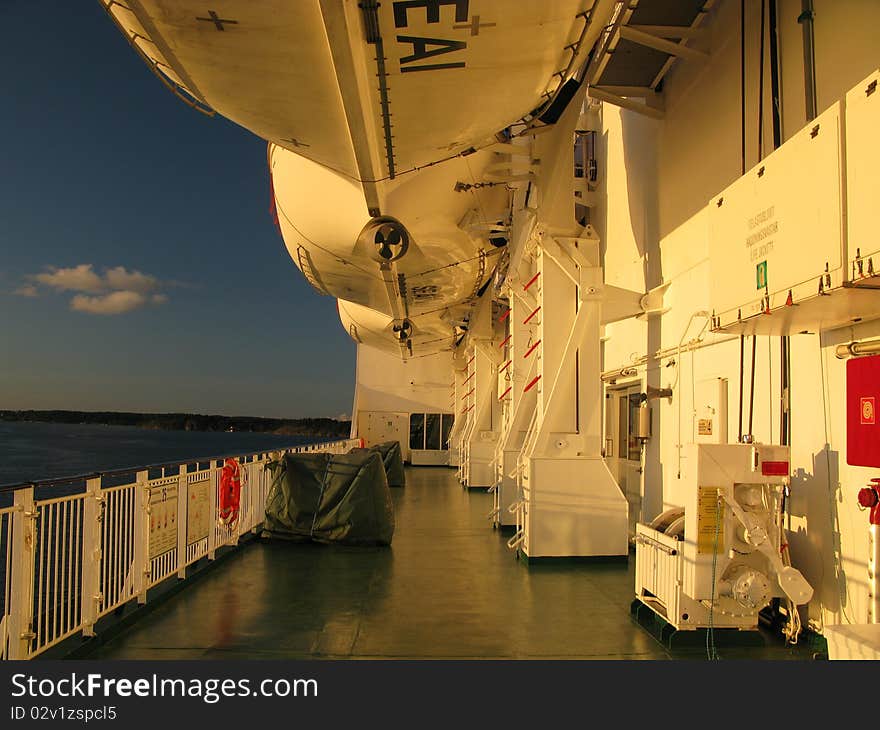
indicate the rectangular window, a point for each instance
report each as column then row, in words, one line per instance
column 580, row 154
column 417, row 431
column 585, row 165
column 432, row 431
column 634, row 447
column 445, row 427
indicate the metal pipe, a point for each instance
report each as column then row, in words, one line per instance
column 857, row 348
column 774, row 74
column 742, row 370
column 784, row 344
column 873, row 563
column 627, row 372
column 785, row 391
column 742, row 101
column 751, row 434
column 761, row 83
column 742, row 85
column 806, row 20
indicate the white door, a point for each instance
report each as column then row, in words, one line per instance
column 377, row 427
column 623, row 450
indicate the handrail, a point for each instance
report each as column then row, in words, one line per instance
column 518, row 538
column 73, row 559
column 124, row 471
column 645, row 540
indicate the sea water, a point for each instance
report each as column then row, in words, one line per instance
column 36, row 451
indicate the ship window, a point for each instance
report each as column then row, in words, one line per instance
column 580, row 155
column 628, row 445
column 432, row 431
column 633, row 446
column 585, row 169
column 585, row 165
column 445, row 427
column 417, row 431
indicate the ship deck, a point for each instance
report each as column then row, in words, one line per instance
column 447, row 588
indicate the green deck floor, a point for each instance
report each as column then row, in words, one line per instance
column 447, row 588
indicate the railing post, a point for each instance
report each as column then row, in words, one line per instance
column 212, row 510
column 141, row 560
column 246, row 512
column 182, row 493
column 254, row 492
column 257, row 501
column 237, row 527
column 93, row 517
column 24, row 544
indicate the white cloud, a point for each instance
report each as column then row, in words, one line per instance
column 117, row 302
column 116, row 291
column 119, row 278
column 77, row 278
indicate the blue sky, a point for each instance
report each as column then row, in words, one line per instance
column 140, row 267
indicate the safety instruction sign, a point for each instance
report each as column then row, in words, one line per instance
column 163, row 520
column 761, row 275
column 710, row 521
column 198, row 504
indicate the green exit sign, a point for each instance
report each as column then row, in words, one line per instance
column 761, row 275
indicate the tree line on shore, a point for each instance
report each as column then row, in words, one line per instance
column 322, row 427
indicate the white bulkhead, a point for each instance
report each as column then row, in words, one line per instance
column 663, row 177
column 563, row 226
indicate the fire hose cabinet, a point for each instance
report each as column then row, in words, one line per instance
column 862, row 401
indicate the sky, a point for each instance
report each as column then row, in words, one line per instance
column 140, row 269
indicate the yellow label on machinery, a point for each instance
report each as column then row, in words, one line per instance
column 710, row 521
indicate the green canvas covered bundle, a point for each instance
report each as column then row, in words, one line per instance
column 393, row 460
column 330, row 498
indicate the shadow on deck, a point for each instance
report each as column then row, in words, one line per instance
column 447, row 588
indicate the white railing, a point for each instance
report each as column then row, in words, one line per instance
column 6, row 555
column 70, row 559
column 659, row 563
column 59, row 574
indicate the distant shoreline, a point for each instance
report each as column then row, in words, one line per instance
column 313, row 427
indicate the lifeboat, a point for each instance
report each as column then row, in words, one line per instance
column 381, row 119
column 432, row 250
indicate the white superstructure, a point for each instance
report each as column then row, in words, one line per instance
column 576, row 242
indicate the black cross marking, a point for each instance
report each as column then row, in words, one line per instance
column 474, row 25
column 295, row 142
column 218, row 21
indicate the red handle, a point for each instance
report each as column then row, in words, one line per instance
column 869, row 498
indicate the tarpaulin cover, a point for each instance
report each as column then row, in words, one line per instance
column 393, row 460
column 330, row 498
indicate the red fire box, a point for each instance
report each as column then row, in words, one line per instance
column 862, row 401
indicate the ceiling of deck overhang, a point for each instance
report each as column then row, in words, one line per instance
column 627, row 63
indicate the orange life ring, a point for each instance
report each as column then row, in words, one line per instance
column 230, row 492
